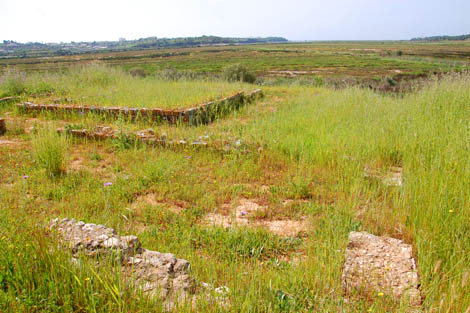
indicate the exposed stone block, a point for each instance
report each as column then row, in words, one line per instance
column 380, row 265
column 157, row 274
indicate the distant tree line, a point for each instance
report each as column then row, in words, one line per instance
column 441, row 38
column 153, row 42
column 34, row 49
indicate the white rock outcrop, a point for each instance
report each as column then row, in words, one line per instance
column 158, row 274
column 380, row 265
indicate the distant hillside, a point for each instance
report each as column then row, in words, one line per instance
column 153, row 42
column 12, row 49
column 440, row 38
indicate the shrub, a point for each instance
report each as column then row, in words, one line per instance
column 399, row 53
column 50, row 151
column 391, row 82
column 172, row 74
column 138, row 72
column 238, row 72
column 318, row 81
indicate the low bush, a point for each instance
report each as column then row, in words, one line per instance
column 171, row 74
column 239, row 72
column 138, row 72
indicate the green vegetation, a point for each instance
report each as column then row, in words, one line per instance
column 300, row 153
column 10, row 48
column 441, row 38
column 104, row 86
column 12, row 85
column 238, row 73
column 50, row 151
column 360, row 61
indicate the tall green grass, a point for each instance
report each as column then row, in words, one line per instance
column 50, row 151
column 428, row 133
column 100, row 85
column 315, row 144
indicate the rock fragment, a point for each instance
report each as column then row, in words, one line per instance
column 157, row 274
column 376, row 265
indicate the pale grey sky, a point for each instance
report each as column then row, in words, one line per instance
column 88, row 20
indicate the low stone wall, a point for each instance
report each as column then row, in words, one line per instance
column 203, row 113
column 149, row 138
column 145, row 136
column 8, row 99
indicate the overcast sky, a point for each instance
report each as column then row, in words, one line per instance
column 88, row 20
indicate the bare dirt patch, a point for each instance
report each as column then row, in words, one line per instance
column 370, row 50
column 5, row 142
column 286, row 228
column 265, row 189
column 76, row 164
column 32, row 123
column 238, row 216
column 151, row 199
column 298, row 73
column 242, row 215
column 393, row 177
column 81, row 160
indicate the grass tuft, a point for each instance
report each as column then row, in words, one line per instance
column 50, row 151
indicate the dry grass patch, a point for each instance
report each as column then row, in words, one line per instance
column 94, row 158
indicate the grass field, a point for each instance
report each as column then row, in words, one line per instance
column 299, row 153
column 356, row 60
column 103, row 86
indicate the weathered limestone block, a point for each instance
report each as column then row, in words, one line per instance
column 94, row 239
column 377, row 265
column 158, row 274
column 161, row 274
column 3, row 127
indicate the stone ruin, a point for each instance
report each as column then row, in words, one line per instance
column 147, row 136
column 157, row 274
column 199, row 114
column 380, row 266
column 8, row 99
column 374, row 266
column 150, row 138
column 3, row 128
